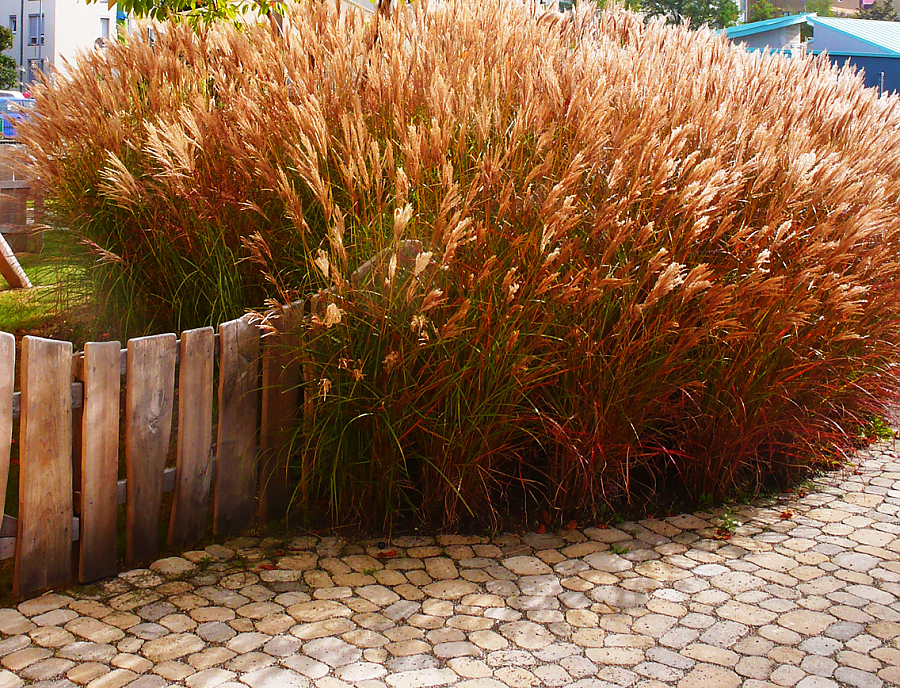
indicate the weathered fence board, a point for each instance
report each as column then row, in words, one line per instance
column 149, row 398
column 235, row 497
column 99, row 461
column 43, row 541
column 281, row 394
column 7, row 382
column 194, row 463
column 69, row 409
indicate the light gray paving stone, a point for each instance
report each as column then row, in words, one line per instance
column 275, row 677
column 423, row 678
column 412, row 663
column 332, row 651
column 850, row 676
column 306, row 666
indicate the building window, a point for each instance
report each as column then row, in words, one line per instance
column 14, row 23
column 104, row 28
column 35, row 29
column 34, row 66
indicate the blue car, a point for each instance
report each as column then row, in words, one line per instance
column 12, row 110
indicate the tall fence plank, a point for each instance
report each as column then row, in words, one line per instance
column 99, row 461
column 7, row 381
column 43, row 540
column 281, row 393
column 149, row 398
column 235, row 496
column 194, row 467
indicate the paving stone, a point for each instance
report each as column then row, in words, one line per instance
column 50, row 636
column 323, row 629
column 275, row 677
column 332, row 651
column 526, row 634
column 249, row 662
column 20, row 659
column 172, row 647
column 43, row 604
column 148, row 681
column 710, row 676
column 114, row 679
column 84, row 673
column 47, row 669
column 94, row 630
column 806, row 622
column 850, row 676
column 450, row 589
column 423, row 678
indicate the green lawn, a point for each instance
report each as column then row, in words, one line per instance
column 47, row 307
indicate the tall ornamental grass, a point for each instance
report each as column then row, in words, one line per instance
column 614, row 262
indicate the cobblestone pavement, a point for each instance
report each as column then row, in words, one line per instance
column 805, row 593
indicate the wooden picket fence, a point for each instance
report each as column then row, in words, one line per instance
column 70, row 422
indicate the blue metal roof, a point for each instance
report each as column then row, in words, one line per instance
column 769, row 25
column 883, row 34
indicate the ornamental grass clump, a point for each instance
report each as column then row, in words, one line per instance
column 614, row 263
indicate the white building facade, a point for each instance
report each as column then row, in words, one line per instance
column 46, row 32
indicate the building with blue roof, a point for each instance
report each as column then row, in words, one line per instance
column 873, row 47
column 777, row 34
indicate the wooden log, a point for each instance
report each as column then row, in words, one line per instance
column 43, row 540
column 149, row 398
column 235, row 498
column 281, row 394
column 10, row 269
column 99, row 461
column 7, row 380
column 194, row 463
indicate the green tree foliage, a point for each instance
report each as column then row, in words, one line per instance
column 566, row 5
column 820, row 7
column 8, row 74
column 883, row 12
column 199, row 11
column 761, row 10
column 718, row 14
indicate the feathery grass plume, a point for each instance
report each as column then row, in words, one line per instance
column 655, row 261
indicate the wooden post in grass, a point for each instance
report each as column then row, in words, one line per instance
column 10, row 269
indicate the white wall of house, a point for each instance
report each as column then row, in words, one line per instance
column 68, row 26
column 776, row 39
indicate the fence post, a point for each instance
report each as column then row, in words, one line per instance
column 194, row 467
column 149, row 399
column 7, row 382
column 236, row 458
column 43, row 542
column 99, row 461
column 281, row 377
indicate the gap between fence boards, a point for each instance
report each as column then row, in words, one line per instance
column 9, row 526
column 77, row 388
